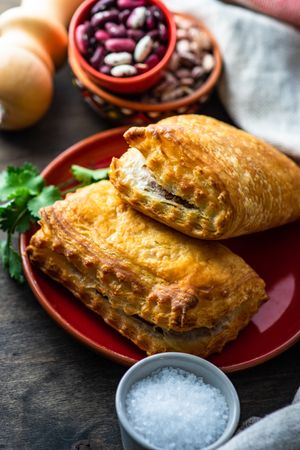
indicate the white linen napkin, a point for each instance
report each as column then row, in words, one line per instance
column 260, row 85
column 277, row 431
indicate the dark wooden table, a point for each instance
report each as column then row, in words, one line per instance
column 53, row 391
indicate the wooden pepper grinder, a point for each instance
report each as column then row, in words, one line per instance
column 33, row 44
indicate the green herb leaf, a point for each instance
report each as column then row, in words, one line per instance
column 47, row 197
column 4, row 253
column 24, row 222
column 11, row 261
column 15, row 266
column 20, row 181
column 11, row 212
column 23, row 193
column 88, row 176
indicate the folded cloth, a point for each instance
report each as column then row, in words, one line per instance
column 260, row 85
column 286, row 10
column 277, row 431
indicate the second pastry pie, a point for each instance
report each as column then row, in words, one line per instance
column 159, row 288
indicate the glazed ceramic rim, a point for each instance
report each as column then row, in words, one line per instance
column 234, row 405
column 203, row 90
column 96, row 75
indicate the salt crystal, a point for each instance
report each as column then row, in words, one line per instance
column 175, row 409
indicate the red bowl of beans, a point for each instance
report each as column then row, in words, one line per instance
column 183, row 87
column 122, row 45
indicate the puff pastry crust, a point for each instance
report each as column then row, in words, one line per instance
column 161, row 289
column 206, row 178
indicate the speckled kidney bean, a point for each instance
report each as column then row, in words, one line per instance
column 183, row 73
column 189, row 66
column 188, row 81
column 123, row 33
column 183, row 46
column 174, row 62
column 208, row 62
column 197, row 72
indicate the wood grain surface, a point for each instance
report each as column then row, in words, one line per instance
column 53, row 391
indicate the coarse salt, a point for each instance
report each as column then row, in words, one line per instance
column 175, row 410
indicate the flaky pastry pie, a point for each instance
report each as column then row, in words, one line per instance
column 162, row 290
column 207, row 179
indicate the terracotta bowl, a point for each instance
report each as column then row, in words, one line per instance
column 123, row 110
column 137, row 83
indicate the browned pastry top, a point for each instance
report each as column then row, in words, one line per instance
column 239, row 183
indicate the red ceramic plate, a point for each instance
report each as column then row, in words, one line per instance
column 273, row 254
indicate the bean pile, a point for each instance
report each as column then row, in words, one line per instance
column 190, row 64
column 123, row 38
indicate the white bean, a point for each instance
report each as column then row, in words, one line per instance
column 143, row 48
column 137, row 17
column 183, row 46
column 123, row 70
column 208, row 62
column 115, row 59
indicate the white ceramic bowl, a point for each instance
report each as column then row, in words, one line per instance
column 200, row 367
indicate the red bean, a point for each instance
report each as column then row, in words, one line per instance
column 105, row 69
column 136, row 35
column 102, row 5
column 163, row 32
column 160, row 51
column 116, row 31
column 130, row 4
column 120, row 45
column 82, row 38
column 150, row 22
column 124, row 16
column 157, row 13
column 105, row 16
column 151, row 61
column 141, row 68
column 154, row 34
column 97, row 58
column 101, row 35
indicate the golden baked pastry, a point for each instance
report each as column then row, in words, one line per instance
column 161, row 289
column 207, row 179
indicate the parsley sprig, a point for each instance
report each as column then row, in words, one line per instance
column 23, row 193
